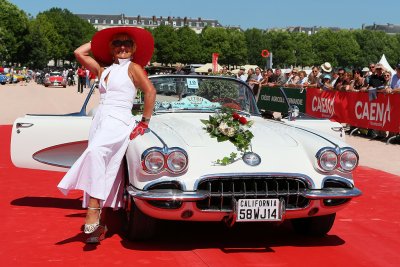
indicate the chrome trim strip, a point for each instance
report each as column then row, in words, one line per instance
column 331, row 193
column 188, row 196
column 167, row 194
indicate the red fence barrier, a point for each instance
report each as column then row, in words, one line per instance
column 355, row 108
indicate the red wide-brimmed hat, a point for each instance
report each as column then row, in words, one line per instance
column 143, row 39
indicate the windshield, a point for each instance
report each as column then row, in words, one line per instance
column 54, row 74
column 201, row 93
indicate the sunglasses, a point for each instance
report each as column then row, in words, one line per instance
column 372, row 67
column 119, row 43
column 387, row 75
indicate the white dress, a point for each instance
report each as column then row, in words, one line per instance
column 97, row 171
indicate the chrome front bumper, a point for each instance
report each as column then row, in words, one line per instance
column 189, row 196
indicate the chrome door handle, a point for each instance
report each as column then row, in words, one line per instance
column 23, row 125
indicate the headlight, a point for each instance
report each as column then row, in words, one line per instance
column 154, row 162
column 177, row 161
column 348, row 160
column 157, row 159
column 327, row 159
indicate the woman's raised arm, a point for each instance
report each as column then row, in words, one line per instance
column 82, row 55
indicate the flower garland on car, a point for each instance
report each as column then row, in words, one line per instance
column 228, row 125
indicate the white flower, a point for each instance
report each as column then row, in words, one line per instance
column 222, row 126
column 230, row 131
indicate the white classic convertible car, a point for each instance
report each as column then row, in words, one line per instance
column 297, row 169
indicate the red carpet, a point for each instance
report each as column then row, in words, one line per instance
column 41, row 227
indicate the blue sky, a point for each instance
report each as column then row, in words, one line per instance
column 246, row 14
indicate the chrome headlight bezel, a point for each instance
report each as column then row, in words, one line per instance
column 176, row 152
column 166, row 154
column 145, row 160
column 323, row 152
column 343, row 151
column 337, row 154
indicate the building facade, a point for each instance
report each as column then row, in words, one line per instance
column 388, row 28
column 306, row 30
column 105, row 21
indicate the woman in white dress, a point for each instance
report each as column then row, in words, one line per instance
column 98, row 170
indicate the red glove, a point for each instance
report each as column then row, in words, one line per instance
column 139, row 129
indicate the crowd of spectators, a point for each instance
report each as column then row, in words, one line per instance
column 326, row 78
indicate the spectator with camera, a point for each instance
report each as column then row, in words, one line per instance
column 377, row 80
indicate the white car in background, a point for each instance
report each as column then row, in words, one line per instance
column 302, row 174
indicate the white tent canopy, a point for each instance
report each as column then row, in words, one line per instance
column 204, row 68
column 385, row 63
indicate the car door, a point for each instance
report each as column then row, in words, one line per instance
column 49, row 142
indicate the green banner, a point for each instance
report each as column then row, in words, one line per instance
column 271, row 99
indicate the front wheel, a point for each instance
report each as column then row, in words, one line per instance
column 314, row 226
column 140, row 226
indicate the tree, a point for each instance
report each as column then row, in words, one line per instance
column 303, row 46
column 282, row 46
column 214, row 40
column 255, row 44
column 236, row 54
column 70, row 32
column 371, row 46
column 325, row 47
column 39, row 31
column 189, row 50
column 14, row 27
column 349, row 50
column 166, row 44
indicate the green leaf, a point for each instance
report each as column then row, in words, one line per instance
column 222, row 138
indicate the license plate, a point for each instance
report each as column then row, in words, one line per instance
column 56, row 83
column 252, row 210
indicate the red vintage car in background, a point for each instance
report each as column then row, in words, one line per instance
column 55, row 79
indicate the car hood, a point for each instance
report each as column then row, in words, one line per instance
column 186, row 129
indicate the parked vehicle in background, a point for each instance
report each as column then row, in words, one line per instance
column 4, row 79
column 55, row 79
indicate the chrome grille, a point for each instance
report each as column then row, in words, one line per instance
column 223, row 190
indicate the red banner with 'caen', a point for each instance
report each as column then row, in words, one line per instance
column 356, row 109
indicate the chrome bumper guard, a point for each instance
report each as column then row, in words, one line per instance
column 189, row 196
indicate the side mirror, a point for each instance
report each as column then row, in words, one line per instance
column 293, row 112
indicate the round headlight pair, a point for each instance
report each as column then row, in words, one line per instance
column 155, row 160
column 328, row 159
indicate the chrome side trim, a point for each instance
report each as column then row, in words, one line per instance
column 36, row 155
